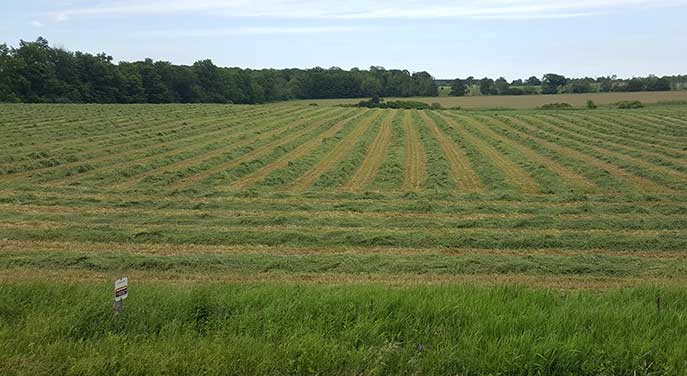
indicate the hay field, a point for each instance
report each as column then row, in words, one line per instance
column 281, row 238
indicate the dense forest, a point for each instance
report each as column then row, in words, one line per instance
column 37, row 72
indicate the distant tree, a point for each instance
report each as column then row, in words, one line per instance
column 635, row 84
column 10, row 78
column 533, row 81
column 579, row 86
column 424, row 85
column 605, row 84
column 210, row 80
column 371, row 86
column 552, row 82
column 155, row 90
column 654, row 83
column 458, row 88
column 501, row 86
column 486, row 86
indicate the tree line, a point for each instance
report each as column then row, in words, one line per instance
column 37, row 72
column 552, row 83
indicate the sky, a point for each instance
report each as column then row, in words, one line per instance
column 449, row 39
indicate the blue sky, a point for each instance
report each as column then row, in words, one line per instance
column 513, row 38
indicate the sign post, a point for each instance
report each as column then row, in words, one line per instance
column 121, row 292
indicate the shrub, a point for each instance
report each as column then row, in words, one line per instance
column 556, row 106
column 624, row 105
column 394, row 104
column 591, row 105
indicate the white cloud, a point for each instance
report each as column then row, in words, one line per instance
column 201, row 33
column 362, row 9
column 36, row 23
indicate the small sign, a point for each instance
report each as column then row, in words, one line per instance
column 121, row 290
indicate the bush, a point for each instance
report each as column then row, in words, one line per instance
column 624, row 105
column 556, row 106
column 591, row 105
column 408, row 105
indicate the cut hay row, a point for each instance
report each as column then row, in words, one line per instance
column 465, row 177
column 143, row 127
column 620, row 138
column 258, row 211
column 572, row 178
column 45, row 246
column 97, row 153
column 649, row 131
column 141, row 146
column 415, row 160
column 148, row 155
column 427, row 262
column 285, row 133
column 670, row 204
column 262, row 173
column 514, row 173
column 330, row 160
column 643, row 126
column 640, row 183
column 374, row 158
column 632, row 142
column 341, row 219
column 327, row 234
column 313, row 235
column 58, row 130
column 621, row 160
column 617, row 150
column 73, row 149
column 671, row 123
column 24, row 275
column 663, row 131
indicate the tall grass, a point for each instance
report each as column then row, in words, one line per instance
column 60, row 329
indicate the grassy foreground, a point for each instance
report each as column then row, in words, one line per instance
column 69, row 328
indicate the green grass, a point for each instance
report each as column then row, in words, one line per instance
column 48, row 329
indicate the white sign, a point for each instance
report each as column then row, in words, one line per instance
column 121, row 290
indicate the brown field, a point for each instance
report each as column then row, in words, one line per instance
column 525, row 101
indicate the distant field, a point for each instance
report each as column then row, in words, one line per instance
column 526, row 101
column 295, row 239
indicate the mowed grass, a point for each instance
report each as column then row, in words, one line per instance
column 522, row 101
column 287, row 239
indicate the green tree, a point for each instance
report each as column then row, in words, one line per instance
column 486, row 86
column 501, row 86
column 533, row 81
column 371, row 86
column 458, row 88
column 552, row 83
